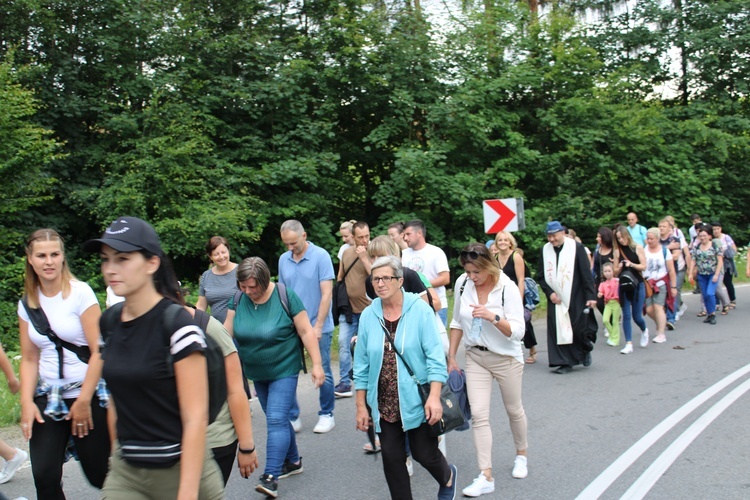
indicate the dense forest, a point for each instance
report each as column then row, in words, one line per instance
column 228, row 117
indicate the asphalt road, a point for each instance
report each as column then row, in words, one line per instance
column 669, row 421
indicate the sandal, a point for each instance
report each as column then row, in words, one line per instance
column 725, row 310
column 369, row 448
column 701, row 314
column 732, row 305
column 532, row 357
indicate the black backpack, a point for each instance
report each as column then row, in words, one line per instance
column 217, row 378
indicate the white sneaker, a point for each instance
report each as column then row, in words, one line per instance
column 680, row 312
column 326, row 423
column 12, row 465
column 605, row 332
column 628, row 349
column 520, row 467
column 409, row 466
column 479, row 486
column 644, row 338
column 660, row 339
column 441, row 446
column 296, row 424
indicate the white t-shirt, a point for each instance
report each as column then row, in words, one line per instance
column 430, row 261
column 342, row 250
column 112, row 298
column 64, row 318
column 656, row 266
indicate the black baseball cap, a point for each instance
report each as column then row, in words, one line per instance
column 127, row 234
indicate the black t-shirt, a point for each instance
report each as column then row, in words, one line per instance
column 142, row 384
column 412, row 283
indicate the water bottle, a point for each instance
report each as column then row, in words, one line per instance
column 476, row 330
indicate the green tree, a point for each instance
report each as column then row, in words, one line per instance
column 25, row 150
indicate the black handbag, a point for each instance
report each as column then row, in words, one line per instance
column 453, row 416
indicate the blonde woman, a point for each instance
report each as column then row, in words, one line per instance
column 59, row 396
column 347, row 236
column 488, row 317
column 512, row 264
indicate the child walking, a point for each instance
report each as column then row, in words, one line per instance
column 608, row 290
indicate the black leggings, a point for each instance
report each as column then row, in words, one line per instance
column 424, row 449
column 730, row 286
column 47, row 450
column 224, row 457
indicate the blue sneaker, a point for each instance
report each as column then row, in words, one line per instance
column 449, row 492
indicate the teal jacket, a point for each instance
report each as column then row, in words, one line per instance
column 417, row 340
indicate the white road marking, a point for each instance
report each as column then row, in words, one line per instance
column 618, row 467
column 648, row 479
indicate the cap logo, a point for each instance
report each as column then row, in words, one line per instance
column 119, row 231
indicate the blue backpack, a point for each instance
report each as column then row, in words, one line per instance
column 530, row 293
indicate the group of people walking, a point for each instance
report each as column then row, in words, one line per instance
column 130, row 392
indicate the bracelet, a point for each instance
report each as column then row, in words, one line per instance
column 246, row 452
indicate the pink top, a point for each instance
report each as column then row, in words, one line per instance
column 609, row 289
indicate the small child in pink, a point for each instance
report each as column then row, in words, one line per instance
column 608, row 289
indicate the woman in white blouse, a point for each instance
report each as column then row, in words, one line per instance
column 488, row 314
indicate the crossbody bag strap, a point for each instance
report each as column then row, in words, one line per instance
column 390, row 339
column 349, row 268
column 41, row 324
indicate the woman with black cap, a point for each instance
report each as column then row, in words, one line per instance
column 160, row 401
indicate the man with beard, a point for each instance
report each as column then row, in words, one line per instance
column 566, row 279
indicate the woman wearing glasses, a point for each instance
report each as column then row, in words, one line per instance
column 397, row 328
column 488, row 315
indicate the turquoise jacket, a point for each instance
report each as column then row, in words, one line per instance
column 417, row 340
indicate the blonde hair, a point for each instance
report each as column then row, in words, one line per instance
column 347, row 225
column 31, row 281
column 511, row 238
column 654, row 231
column 381, row 246
column 484, row 261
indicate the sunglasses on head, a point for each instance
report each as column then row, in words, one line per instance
column 471, row 255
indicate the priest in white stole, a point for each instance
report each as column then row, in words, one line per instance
column 565, row 276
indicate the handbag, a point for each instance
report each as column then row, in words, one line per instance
column 453, row 416
column 649, row 289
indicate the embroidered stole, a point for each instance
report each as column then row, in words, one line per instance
column 558, row 273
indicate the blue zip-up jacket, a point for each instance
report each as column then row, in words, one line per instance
column 417, row 340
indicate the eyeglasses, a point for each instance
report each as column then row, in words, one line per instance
column 384, row 279
column 472, row 255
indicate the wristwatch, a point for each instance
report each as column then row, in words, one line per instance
column 497, row 318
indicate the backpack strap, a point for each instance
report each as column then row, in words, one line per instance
column 41, row 324
column 285, row 304
column 237, row 297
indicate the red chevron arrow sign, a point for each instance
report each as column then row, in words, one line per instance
column 500, row 215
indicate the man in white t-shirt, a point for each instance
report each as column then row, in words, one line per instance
column 428, row 260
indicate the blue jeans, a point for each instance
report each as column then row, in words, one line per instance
column 346, row 332
column 671, row 315
column 443, row 315
column 326, row 396
column 708, row 290
column 276, row 398
column 633, row 310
